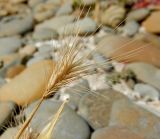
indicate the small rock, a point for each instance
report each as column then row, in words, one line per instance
column 138, row 14
column 44, row 11
column 56, row 22
column 29, row 85
column 115, row 133
column 151, row 24
column 6, row 109
column 7, row 66
column 65, row 9
column 146, row 73
column 128, row 50
column 127, row 114
column 82, row 27
column 96, row 107
column 75, row 93
column 131, row 28
column 147, row 91
column 27, row 50
column 153, row 39
column 9, row 58
column 65, row 127
column 39, row 56
column 113, row 15
column 16, row 24
column 14, row 71
column 9, row 45
column 45, row 34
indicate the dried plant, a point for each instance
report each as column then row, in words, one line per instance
column 67, row 69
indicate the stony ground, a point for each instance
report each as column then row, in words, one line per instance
column 120, row 100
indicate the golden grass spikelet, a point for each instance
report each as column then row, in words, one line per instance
column 67, row 69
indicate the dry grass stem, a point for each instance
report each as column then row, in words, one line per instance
column 67, row 69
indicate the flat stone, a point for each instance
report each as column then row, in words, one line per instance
column 115, row 133
column 66, row 9
column 15, row 24
column 151, row 24
column 56, row 22
column 146, row 73
column 131, row 28
column 95, row 107
column 45, row 34
column 138, row 14
column 127, row 114
column 44, row 11
column 29, row 85
column 14, row 71
column 75, row 93
column 128, row 50
column 147, row 92
column 82, row 27
column 65, row 127
column 9, row 45
column 113, row 15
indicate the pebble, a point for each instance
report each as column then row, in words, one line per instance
column 95, row 107
column 16, row 61
column 38, row 56
column 9, row 45
column 15, row 24
column 27, row 50
column 147, row 73
column 147, row 91
column 14, row 71
column 56, row 22
column 76, row 92
column 125, row 49
column 138, row 14
column 127, row 114
column 44, row 11
column 66, row 9
column 65, row 127
column 115, row 133
column 24, row 91
column 130, row 28
column 45, row 34
column 151, row 24
column 113, row 15
column 82, row 27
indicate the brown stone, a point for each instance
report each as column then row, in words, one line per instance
column 152, row 23
column 14, row 71
column 124, row 49
column 115, row 133
column 29, row 85
column 27, row 50
column 95, row 107
column 127, row 114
